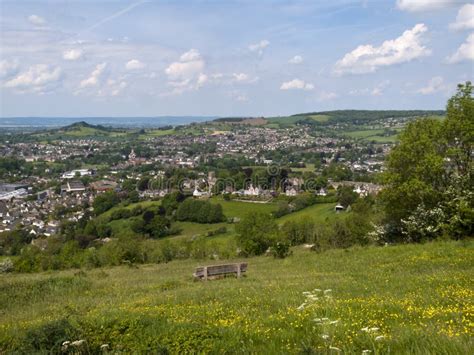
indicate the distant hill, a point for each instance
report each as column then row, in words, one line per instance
column 252, row 121
column 82, row 124
column 353, row 116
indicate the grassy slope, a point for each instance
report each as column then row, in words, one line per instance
column 420, row 296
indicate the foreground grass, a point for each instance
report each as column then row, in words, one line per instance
column 419, row 296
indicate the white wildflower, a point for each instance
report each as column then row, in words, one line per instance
column 66, row 343
column 366, row 351
column 317, row 290
column 373, row 330
column 334, row 348
column 300, row 308
column 379, row 338
column 306, row 293
column 78, row 342
column 334, row 322
column 327, row 291
column 325, row 336
column 366, row 329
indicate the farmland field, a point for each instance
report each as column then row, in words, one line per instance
column 398, row 299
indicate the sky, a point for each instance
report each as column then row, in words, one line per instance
column 230, row 58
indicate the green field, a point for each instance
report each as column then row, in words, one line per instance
column 240, row 209
column 319, row 212
column 415, row 299
column 376, row 135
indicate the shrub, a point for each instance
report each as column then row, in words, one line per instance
column 256, row 232
column 6, row 266
column 281, row 250
column 199, row 211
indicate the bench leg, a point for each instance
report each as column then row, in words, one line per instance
column 205, row 273
column 238, row 271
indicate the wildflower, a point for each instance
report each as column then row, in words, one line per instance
column 300, row 308
column 379, row 338
column 373, row 330
column 104, row 346
column 325, row 336
column 334, row 322
column 78, row 342
column 65, row 345
column 317, row 320
column 327, row 291
column 366, row 329
column 334, row 348
column 366, row 351
column 317, row 290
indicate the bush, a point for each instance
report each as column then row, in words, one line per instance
column 281, row 250
column 6, row 266
column 199, row 211
column 256, row 232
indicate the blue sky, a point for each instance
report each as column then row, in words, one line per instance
column 150, row 58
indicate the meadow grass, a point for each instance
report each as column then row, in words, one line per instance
column 376, row 135
column 415, row 299
column 239, row 209
column 318, row 212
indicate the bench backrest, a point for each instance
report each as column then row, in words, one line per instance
column 214, row 270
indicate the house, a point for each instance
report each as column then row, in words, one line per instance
column 322, row 192
column 78, row 172
column 252, row 191
column 291, row 192
column 197, row 193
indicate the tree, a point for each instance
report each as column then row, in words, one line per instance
column 105, row 202
column 429, row 174
column 346, row 195
column 256, row 232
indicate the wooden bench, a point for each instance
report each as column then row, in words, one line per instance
column 215, row 271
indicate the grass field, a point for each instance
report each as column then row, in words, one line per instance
column 240, row 209
column 376, row 135
column 415, row 299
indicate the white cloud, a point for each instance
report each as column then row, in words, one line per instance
column 8, row 68
column 134, row 64
column 38, row 79
column 367, row 58
column 464, row 52
column 379, row 88
column 243, row 78
column 72, row 54
column 95, row 77
column 186, row 69
column 327, row 96
column 297, row 59
column 37, row 20
column 296, row 84
column 238, row 96
column 464, row 19
column 190, row 56
column 424, row 5
column 202, row 79
column 259, row 47
column 187, row 73
column 114, row 87
column 434, row 85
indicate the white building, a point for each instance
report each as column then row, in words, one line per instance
column 81, row 172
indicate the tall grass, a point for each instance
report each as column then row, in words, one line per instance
column 419, row 297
